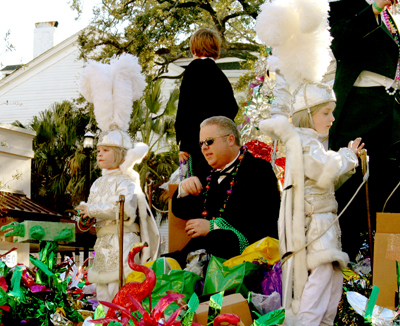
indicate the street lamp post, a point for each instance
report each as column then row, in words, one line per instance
column 88, row 140
column 87, row 149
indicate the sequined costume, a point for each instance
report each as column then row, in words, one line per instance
column 103, row 204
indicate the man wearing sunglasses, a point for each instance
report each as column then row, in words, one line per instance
column 233, row 202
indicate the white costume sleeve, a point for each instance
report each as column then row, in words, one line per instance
column 107, row 200
column 326, row 167
column 283, row 95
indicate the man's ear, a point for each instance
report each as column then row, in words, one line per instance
column 231, row 140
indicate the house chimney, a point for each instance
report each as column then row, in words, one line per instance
column 44, row 37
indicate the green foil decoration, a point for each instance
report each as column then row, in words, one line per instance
column 371, row 304
column 215, row 306
column 193, row 304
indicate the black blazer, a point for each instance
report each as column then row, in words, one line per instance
column 359, row 43
column 253, row 207
column 205, row 92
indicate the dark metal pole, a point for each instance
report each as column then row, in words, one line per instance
column 364, row 165
column 87, row 152
column 121, row 240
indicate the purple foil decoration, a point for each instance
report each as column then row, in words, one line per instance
column 252, row 85
column 39, row 288
column 272, row 281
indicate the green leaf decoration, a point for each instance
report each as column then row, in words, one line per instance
column 275, row 317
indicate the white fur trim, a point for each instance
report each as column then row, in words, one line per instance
column 294, row 220
column 315, row 259
column 272, row 63
column 278, row 128
column 330, row 172
column 133, row 156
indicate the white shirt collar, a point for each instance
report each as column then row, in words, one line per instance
column 229, row 164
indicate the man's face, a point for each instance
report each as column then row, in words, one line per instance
column 218, row 154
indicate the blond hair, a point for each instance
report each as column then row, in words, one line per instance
column 303, row 119
column 119, row 155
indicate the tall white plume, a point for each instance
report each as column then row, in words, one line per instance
column 112, row 88
column 298, row 32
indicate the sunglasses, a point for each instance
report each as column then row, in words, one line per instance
column 210, row 141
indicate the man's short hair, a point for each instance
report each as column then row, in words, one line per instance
column 205, row 43
column 226, row 126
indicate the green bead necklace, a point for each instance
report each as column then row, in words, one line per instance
column 222, row 223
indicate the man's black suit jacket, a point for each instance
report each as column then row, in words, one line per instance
column 359, row 43
column 253, row 207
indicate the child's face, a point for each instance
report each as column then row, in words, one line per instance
column 324, row 118
column 105, row 157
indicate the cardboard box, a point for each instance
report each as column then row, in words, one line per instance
column 177, row 237
column 384, row 270
column 232, row 304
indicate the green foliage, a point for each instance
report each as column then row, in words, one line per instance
column 150, row 121
column 158, row 31
column 57, row 167
column 153, row 123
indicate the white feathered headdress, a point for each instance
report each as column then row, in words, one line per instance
column 112, row 88
column 298, row 32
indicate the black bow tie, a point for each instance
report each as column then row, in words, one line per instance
column 228, row 170
column 223, row 172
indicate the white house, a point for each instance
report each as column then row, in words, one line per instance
column 53, row 76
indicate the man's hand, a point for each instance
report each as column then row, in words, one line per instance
column 198, row 227
column 382, row 4
column 183, row 157
column 192, row 186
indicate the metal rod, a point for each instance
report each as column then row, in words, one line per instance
column 364, row 166
column 121, row 240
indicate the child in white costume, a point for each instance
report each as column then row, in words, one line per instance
column 297, row 30
column 308, row 208
column 112, row 88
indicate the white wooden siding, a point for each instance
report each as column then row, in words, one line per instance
column 55, row 83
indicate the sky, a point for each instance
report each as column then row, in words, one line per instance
column 20, row 16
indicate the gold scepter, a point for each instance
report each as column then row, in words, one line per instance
column 364, row 168
column 121, row 240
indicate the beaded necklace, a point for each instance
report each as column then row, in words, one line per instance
column 189, row 171
column 391, row 26
column 243, row 242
